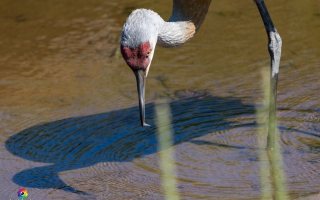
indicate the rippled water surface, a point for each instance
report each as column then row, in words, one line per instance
column 69, row 118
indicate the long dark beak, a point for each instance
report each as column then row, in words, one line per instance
column 141, row 81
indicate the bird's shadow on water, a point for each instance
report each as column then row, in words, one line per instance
column 115, row 136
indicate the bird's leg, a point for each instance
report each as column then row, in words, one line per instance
column 274, row 47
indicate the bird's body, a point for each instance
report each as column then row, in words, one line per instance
column 144, row 29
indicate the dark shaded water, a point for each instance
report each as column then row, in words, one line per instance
column 68, row 107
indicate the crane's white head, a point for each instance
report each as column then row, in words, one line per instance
column 139, row 38
column 138, row 41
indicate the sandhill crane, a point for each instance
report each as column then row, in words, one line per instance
column 144, row 29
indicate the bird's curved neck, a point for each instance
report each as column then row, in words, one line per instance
column 185, row 20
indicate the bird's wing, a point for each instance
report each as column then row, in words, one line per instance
column 190, row 10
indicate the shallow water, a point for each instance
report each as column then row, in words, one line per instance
column 68, row 108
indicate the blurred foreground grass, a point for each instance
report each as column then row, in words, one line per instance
column 165, row 138
column 272, row 175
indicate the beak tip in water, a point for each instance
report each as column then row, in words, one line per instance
column 144, row 124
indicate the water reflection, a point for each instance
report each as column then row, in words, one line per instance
column 117, row 137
